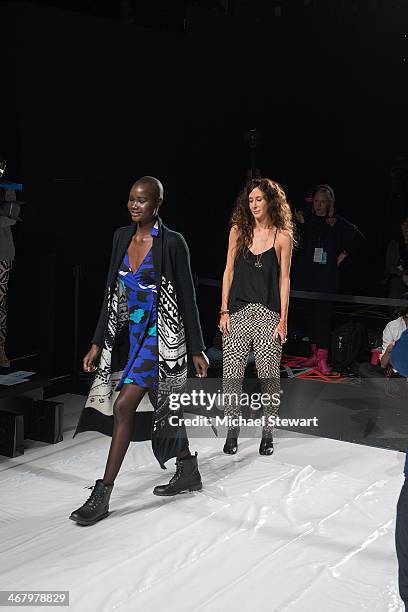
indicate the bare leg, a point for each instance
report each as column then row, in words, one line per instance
column 124, row 410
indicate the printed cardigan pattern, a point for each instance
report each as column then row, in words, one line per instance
column 178, row 334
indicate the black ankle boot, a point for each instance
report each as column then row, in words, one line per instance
column 96, row 506
column 231, row 442
column 186, row 478
column 230, row 446
column 266, row 446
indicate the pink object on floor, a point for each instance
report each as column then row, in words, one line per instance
column 311, row 362
column 322, row 361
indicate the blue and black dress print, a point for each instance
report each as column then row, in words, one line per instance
column 142, row 366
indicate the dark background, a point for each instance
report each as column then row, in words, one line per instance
column 92, row 100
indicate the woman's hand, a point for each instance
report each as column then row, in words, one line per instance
column 405, row 278
column 201, row 365
column 90, row 358
column 299, row 216
column 331, row 219
column 225, row 324
column 341, row 257
column 280, row 330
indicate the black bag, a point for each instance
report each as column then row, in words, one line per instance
column 349, row 345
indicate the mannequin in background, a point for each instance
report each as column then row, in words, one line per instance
column 9, row 210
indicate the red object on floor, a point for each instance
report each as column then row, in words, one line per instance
column 317, row 375
column 296, row 363
column 292, row 361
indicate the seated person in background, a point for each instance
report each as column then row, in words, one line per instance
column 376, row 377
column 392, row 332
column 396, row 262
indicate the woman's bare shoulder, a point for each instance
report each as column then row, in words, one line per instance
column 284, row 236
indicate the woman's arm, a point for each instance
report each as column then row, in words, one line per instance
column 286, row 242
column 99, row 334
column 351, row 239
column 186, row 298
column 387, row 344
column 229, row 267
column 341, row 256
column 227, row 278
column 392, row 258
column 385, row 359
column 347, row 233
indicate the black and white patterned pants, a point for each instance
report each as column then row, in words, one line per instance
column 5, row 267
column 252, row 326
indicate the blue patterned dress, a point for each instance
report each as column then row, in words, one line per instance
column 142, row 365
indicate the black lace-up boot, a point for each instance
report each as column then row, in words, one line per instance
column 96, row 506
column 186, row 478
column 266, row 446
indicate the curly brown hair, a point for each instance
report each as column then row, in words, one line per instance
column 278, row 209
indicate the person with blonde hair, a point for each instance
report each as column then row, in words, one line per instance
column 255, row 299
column 326, row 239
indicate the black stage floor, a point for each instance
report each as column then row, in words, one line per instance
column 363, row 411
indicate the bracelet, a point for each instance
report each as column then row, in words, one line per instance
column 224, row 311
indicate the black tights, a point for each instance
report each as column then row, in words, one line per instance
column 124, row 410
column 318, row 322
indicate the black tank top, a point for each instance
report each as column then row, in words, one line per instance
column 254, row 283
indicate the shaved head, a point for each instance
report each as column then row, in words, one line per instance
column 154, row 183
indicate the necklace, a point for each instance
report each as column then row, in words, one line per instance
column 258, row 263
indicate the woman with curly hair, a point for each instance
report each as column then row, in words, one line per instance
column 255, row 298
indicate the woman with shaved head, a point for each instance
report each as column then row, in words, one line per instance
column 147, row 326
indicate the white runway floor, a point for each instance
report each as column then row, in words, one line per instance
column 309, row 529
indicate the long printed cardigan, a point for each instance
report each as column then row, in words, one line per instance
column 178, row 333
